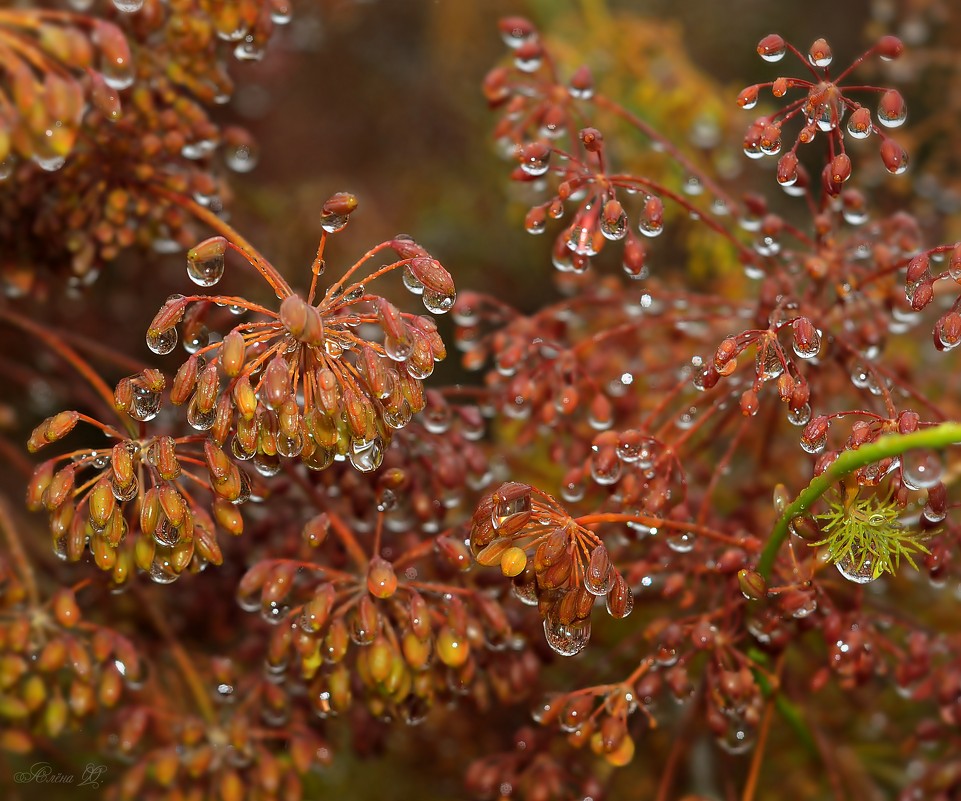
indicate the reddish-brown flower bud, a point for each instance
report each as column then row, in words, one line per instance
column 771, row 47
column 820, row 54
column 39, row 481
column 840, row 168
column 245, row 400
column 227, row 516
column 889, row 47
column 432, row 274
column 302, row 320
column 52, row 429
column 859, row 123
column 65, row 608
column 894, row 157
column 276, row 382
column 232, row 353
column 60, row 487
column 749, row 403
column 581, row 84
column 381, row 580
column 747, row 98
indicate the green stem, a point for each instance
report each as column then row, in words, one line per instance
column 791, row 714
column 939, row 436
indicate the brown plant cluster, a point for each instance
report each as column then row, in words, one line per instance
column 101, row 106
column 733, row 467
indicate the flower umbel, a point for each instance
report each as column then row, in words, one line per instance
column 865, row 538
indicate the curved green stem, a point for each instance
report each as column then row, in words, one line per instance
column 939, row 436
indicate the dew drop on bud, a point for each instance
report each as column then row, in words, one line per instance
column 367, row 456
column 567, row 639
column 535, row 158
column 516, row 30
column 332, row 223
column 205, row 262
column 771, row 48
column 894, row 157
column 145, row 405
column 438, row 302
column 128, row 6
column 512, row 506
column 613, row 221
column 241, row 157
column 162, row 342
column 859, row 124
column 747, row 99
column 820, row 54
column 892, row 110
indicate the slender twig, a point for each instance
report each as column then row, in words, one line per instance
column 18, row 553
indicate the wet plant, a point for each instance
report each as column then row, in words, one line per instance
column 752, row 469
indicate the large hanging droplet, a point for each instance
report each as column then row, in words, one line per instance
column 162, row 342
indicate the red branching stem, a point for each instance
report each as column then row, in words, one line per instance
column 64, row 351
column 668, row 145
column 253, row 256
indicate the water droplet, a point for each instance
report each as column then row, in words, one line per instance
column 146, row 404
column 680, row 541
column 580, row 240
column 161, row 571
column 567, row 639
column 530, row 63
column 399, row 418
column 206, row 272
column 124, row 494
column 772, row 55
column 117, row 75
column 199, row 419
column 367, row 456
column 332, row 223
column 412, row 282
column 933, row 515
column 650, row 228
column 49, row 163
column 290, row 446
column 856, row 131
column 814, row 445
column 855, row 568
column 198, row 339
column 738, row 738
column 892, row 118
column 525, row 592
column 266, row 464
column 355, row 293
column 614, row 229
column 438, row 302
column 604, row 470
column 636, row 450
column 162, row 342
column 920, row 469
column 767, row 363
column 693, row 186
column 800, row 416
column 248, row 49
column 516, row 508
column 241, row 158
column 398, row 349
